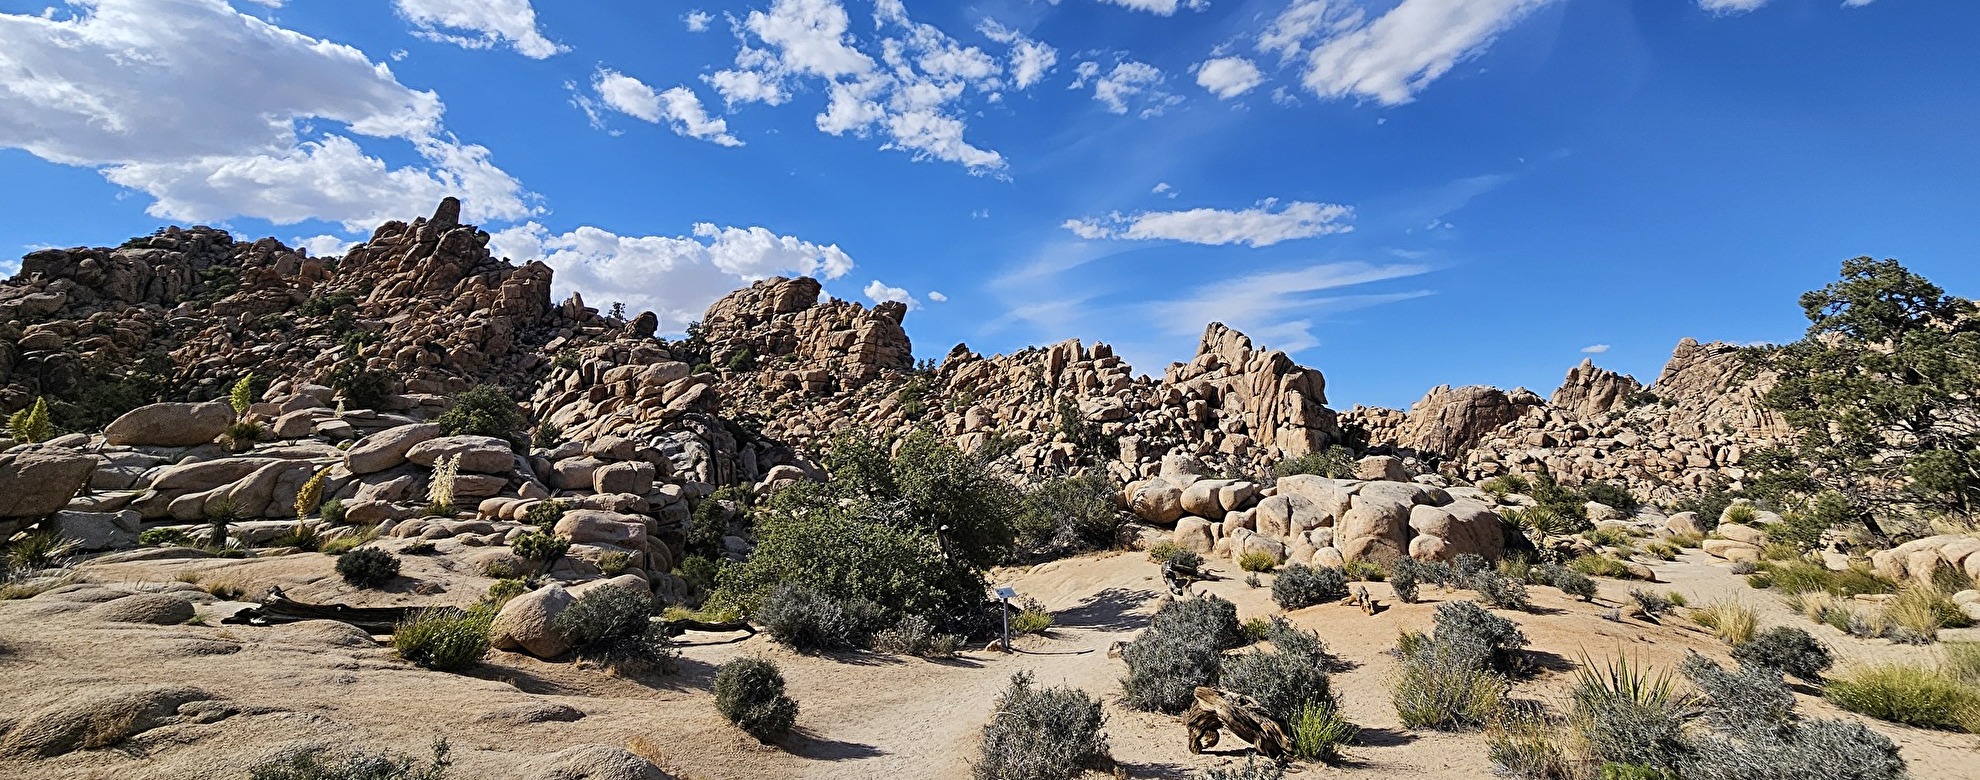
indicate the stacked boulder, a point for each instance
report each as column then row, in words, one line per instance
column 1316, row 520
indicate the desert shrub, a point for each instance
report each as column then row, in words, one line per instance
column 1256, row 630
column 1741, row 513
column 367, row 567
column 1070, row 514
column 1333, row 462
column 1033, row 618
column 1466, row 566
column 1732, row 622
column 1963, row 661
column 484, row 410
column 30, row 424
column 1574, row 583
column 440, row 486
column 161, row 537
column 443, row 638
column 1628, row 715
column 310, row 496
column 39, row 549
column 613, row 563
column 1251, row 769
column 1751, row 700
column 1443, row 687
column 907, row 527
column 1170, row 552
column 1501, row 591
column 1040, row 733
column 302, row 536
column 1506, row 485
column 545, row 514
column 808, row 621
column 750, row 693
column 1912, row 695
column 314, row 765
column 1810, row 750
column 1258, row 561
column 1286, row 679
column 1610, row 536
column 914, row 635
column 1526, row 742
column 332, row 511
column 539, row 546
column 503, row 590
column 1404, row 575
column 613, row 626
column 1319, row 732
column 1743, row 568
column 1480, row 637
column 1599, row 566
column 1788, row 649
column 1612, row 495
column 1652, row 602
column 702, row 574
column 547, row 435
column 1300, row 585
column 1364, row 570
column 1181, row 649
column 1677, row 599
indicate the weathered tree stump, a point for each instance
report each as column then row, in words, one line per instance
column 1243, row 716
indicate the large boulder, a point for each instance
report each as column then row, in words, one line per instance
column 1157, row 501
column 593, row 762
column 39, row 482
column 387, row 448
column 1201, row 497
column 525, row 623
column 1745, row 534
column 478, row 454
column 100, row 718
column 1193, row 534
column 627, row 477
column 100, row 530
column 1373, row 530
column 158, row 609
column 171, row 425
column 590, row 525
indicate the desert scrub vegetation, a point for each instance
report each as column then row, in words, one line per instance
column 1069, row 515
column 1923, row 696
column 315, row 765
column 808, row 621
column 1404, row 576
column 444, row 638
column 348, row 542
column 540, row 547
column 1290, row 682
column 613, row 626
column 1732, row 622
column 1031, row 618
column 1041, row 733
column 1333, row 462
column 1455, row 677
column 1788, row 649
column 1500, row 591
column 1299, row 585
column 905, row 528
column 485, row 410
column 1170, row 552
column 1919, row 611
column 1258, row 561
column 367, row 567
column 1600, row 566
column 914, row 635
column 749, row 692
column 1182, row 649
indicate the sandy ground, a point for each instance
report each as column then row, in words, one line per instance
column 863, row 716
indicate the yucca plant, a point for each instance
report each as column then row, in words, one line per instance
column 310, row 496
column 1629, row 715
column 242, row 395
column 440, row 491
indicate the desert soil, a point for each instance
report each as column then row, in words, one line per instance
column 863, row 715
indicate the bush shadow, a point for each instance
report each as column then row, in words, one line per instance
column 1109, row 610
column 804, row 743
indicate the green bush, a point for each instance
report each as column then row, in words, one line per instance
column 1404, row 576
column 1258, row 561
column 443, row 638
column 1479, row 637
column 1319, row 732
column 1613, row 496
column 1441, row 686
column 30, row 424
column 750, row 693
column 1912, row 695
column 1501, row 591
column 1652, row 602
column 162, row 537
column 1300, row 585
column 314, row 765
column 1170, row 552
column 332, row 511
column 914, row 635
column 1286, row 679
column 1033, row 619
column 1040, row 733
column 367, row 567
column 1334, row 462
column 1788, row 649
column 908, row 529
column 1574, row 583
column 1182, row 649
column 613, row 626
column 1600, row 566
column 1629, row 716
column 808, row 621
column 545, row 514
column 539, row 546
column 1071, row 514
column 484, row 411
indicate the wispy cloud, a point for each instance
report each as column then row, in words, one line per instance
column 1595, row 349
column 1262, row 225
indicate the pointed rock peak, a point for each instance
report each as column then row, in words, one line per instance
column 1225, row 342
column 447, row 215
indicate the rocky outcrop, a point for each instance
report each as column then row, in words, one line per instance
column 171, row 425
column 1589, row 390
column 1447, row 422
column 39, row 482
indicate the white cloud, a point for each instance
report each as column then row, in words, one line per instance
column 879, row 292
column 1129, row 80
column 1396, row 55
column 1257, row 226
column 199, row 106
column 1857, row 3
column 323, row 246
column 1160, row 7
column 1276, row 308
column 676, row 277
column 979, row 214
column 937, row 297
column 1030, row 59
column 679, row 106
column 1228, row 77
column 908, row 89
column 1163, row 188
column 1736, row 6
column 1595, row 349
column 697, row 21
column 486, row 22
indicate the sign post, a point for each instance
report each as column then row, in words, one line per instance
column 1005, row 594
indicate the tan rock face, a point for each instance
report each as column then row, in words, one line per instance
column 171, row 425
column 525, row 623
column 40, row 482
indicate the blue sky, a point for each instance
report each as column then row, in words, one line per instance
column 1403, row 193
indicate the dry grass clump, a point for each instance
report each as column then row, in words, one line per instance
column 1918, row 613
column 1731, row 621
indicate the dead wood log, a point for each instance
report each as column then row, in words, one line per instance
column 1242, row 715
column 279, row 609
